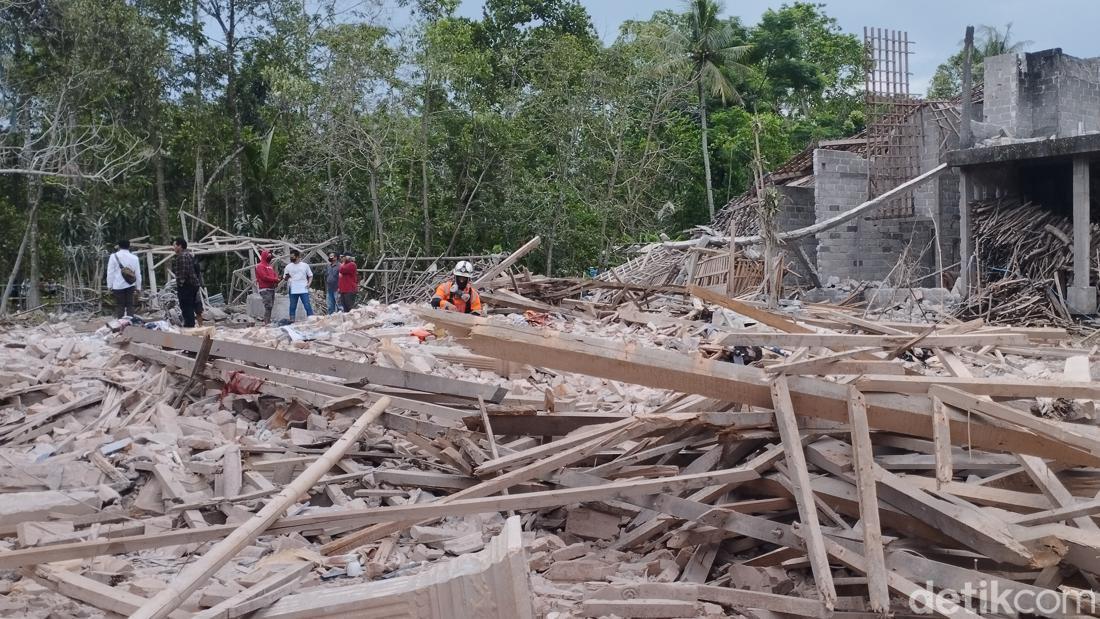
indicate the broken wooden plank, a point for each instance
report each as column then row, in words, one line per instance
column 619, row 490
column 195, row 574
column 803, row 493
column 974, row 529
column 726, row 596
column 762, row 316
column 423, row 479
column 315, row 364
column 488, row 276
column 863, row 461
column 1052, row 487
column 453, row 589
column 634, row 428
column 258, row 595
column 91, row 592
column 818, row 365
column 941, row 437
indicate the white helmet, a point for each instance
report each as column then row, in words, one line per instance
column 464, row 269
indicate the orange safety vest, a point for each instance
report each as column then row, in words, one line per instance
column 443, row 293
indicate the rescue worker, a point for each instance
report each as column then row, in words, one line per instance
column 457, row 294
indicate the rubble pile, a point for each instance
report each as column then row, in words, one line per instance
column 610, row 458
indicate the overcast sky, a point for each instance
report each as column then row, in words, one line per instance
column 936, row 26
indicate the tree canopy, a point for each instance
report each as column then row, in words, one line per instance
column 436, row 134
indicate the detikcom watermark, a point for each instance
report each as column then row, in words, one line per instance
column 995, row 597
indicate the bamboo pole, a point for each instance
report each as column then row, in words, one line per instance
column 170, row 598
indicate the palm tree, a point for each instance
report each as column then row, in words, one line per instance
column 993, row 42
column 990, row 41
column 705, row 50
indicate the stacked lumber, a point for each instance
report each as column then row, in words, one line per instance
column 623, row 464
column 1025, row 258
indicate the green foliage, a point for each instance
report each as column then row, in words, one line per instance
column 476, row 132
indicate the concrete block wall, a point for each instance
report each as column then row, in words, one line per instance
column 1078, row 96
column 1002, row 94
column 796, row 210
column 863, row 248
column 1039, row 94
column 1042, row 94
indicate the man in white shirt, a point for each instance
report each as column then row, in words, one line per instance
column 124, row 278
column 298, row 276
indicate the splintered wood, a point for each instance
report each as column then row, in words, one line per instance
column 614, row 456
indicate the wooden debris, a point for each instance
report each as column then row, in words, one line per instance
column 452, row 589
column 653, row 474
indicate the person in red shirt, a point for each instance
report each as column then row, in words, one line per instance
column 458, row 294
column 348, row 285
column 267, row 279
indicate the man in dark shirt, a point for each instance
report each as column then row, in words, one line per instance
column 332, row 281
column 187, row 281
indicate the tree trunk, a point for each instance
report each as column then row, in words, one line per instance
column 550, row 250
column 199, row 207
column 34, row 197
column 376, row 208
column 234, row 113
column 34, row 268
column 706, row 147
column 424, row 166
column 333, row 215
column 767, row 205
column 162, row 198
column 605, row 255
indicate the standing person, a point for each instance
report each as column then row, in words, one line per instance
column 123, row 278
column 187, row 281
column 332, row 281
column 298, row 276
column 267, row 279
column 457, row 294
column 349, row 281
column 198, row 291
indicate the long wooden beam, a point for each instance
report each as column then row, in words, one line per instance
column 759, row 315
column 863, row 462
column 318, row 393
column 513, row 258
column 841, row 340
column 803, row 491
column 638, row 364
column 315, row 364
column 993, row 387
column 1064, row 433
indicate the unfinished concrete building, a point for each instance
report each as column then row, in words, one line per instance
column 1041, row 123
column 1035, row 128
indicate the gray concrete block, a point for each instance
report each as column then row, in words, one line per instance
column 279, row 311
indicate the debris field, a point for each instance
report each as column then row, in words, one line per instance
column 668, row 452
